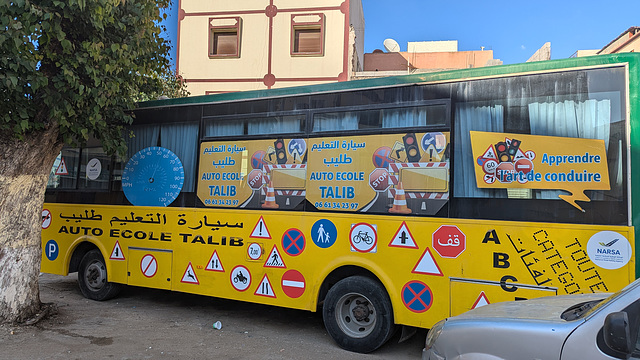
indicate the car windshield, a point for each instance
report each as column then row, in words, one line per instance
column 579, row 310
column 585, row 309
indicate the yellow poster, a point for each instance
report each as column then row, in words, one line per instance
column 268, row 174
column 405, row 173
column 392, row 173
column 540, row 162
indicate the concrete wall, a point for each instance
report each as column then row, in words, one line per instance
column 582, row 53
column 357, row 21
column 436, row 61
column 432, row 46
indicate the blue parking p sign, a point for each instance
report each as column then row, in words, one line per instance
column 51, row 250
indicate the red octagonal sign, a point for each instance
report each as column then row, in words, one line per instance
column 379, row 180
column 255, row 179
column 449, row 241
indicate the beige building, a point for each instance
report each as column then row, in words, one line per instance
column 423, row 56
column 226, row 46
column 628, row 41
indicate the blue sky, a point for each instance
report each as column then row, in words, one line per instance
column 514, row 30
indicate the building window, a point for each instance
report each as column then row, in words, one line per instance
column 224, row 37
column 307, row 34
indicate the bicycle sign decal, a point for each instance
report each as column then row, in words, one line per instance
column 363, row 238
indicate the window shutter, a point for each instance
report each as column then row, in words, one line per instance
column 308, row 41
column 225, row 43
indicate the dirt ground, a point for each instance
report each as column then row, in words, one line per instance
column 153, row 324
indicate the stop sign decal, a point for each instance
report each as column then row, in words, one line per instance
column 449, row 241
column 255, row 179
column 379, row 180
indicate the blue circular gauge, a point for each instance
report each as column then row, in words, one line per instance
column 153, row 177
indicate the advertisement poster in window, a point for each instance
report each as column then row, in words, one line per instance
column 268, row 174
column 405, row 173
column 546, row 163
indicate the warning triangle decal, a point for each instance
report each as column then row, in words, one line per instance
column 427, row 265
column 403, row 238
column 62, row 168
column 116, row 253
column 481, row 301
column 260, row 231
column 264, row 288
column 432, row 153
column 490, row 153
column 275, row 260
column 519, row 155
column 214, row 263
column 189, row 276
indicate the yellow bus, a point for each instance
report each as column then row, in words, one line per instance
column 385, row 203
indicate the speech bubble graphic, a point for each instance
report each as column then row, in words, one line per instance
column 541, row 162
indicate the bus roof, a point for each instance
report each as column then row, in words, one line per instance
column 489, row 71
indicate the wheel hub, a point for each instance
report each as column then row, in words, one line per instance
column 95, row 276
column 356, row 315
column 360, row 311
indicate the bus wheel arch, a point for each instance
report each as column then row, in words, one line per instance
column 78, row 253
column 357, row 310
column 338, row 274
column 92, row 276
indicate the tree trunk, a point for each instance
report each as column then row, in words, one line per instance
column 24, row 171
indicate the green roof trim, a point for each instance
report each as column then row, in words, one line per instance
column 398, row 80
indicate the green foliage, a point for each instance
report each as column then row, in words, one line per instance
column 172, row 87
column 80, row 65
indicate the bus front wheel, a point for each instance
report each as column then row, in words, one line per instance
column 92, row 278
column 358, row 315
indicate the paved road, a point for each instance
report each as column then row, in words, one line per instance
column 152, row 324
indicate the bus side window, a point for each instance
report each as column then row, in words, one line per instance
column 64, row 172
column 473, row 117
column 95, row 169
column 181, row 138
column 116, row 173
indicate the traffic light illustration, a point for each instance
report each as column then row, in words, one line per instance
column 281, row 152
column 411, row 147
column 513, row 148
column 502, row 150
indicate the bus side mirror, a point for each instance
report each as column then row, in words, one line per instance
column 617, row 334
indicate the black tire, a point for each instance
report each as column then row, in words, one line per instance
column 358, row 315
column 92, row 278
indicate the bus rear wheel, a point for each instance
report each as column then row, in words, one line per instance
column 92, row 278
column 358, row 315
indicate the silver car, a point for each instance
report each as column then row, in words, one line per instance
column 569, row 327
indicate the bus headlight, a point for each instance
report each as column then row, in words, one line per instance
column 433, row 334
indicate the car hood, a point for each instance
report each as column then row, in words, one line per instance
column 544, row 308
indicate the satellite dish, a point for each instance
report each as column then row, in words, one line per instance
column 391, row 45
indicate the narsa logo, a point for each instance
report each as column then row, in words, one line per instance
column 609, row 250
column 609, row 243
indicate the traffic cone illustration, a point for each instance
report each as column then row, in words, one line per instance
column 400, row 202
column 270, row 199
